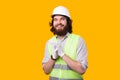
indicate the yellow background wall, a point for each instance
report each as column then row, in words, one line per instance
column 24, row 30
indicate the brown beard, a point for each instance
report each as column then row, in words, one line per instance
column 60, row 32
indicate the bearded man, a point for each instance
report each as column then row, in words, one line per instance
column 65, row 53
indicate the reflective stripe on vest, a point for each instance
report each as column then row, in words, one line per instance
column 54, row 78
column 60, row 69
column 63, row 67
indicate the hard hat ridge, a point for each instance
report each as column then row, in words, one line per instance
column 61, row 10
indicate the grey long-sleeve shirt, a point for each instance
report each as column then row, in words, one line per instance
column 81, row 51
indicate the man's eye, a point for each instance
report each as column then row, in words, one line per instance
column 63, row 19
column 55, row 19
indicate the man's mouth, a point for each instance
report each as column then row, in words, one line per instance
column 59, row 26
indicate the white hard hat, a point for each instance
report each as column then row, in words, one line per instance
column 60, row 10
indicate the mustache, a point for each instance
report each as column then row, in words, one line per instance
column 59, row 24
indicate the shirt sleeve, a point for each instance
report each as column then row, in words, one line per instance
column 82, row 53
column 46, row 55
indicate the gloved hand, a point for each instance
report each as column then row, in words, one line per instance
column 60, row 51
column 55, row 54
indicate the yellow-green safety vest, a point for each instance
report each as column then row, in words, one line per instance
column 61, row 71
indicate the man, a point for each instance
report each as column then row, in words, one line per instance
column 65, row 53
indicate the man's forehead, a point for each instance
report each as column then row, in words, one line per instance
column 59, row 16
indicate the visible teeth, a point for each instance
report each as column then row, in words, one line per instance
column 59, row 26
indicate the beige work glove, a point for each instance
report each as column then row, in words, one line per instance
column 60, row 51
column 55, row 54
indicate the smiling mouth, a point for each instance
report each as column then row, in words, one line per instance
column 59, row 25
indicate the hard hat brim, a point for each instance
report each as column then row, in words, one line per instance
column 58, row 15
